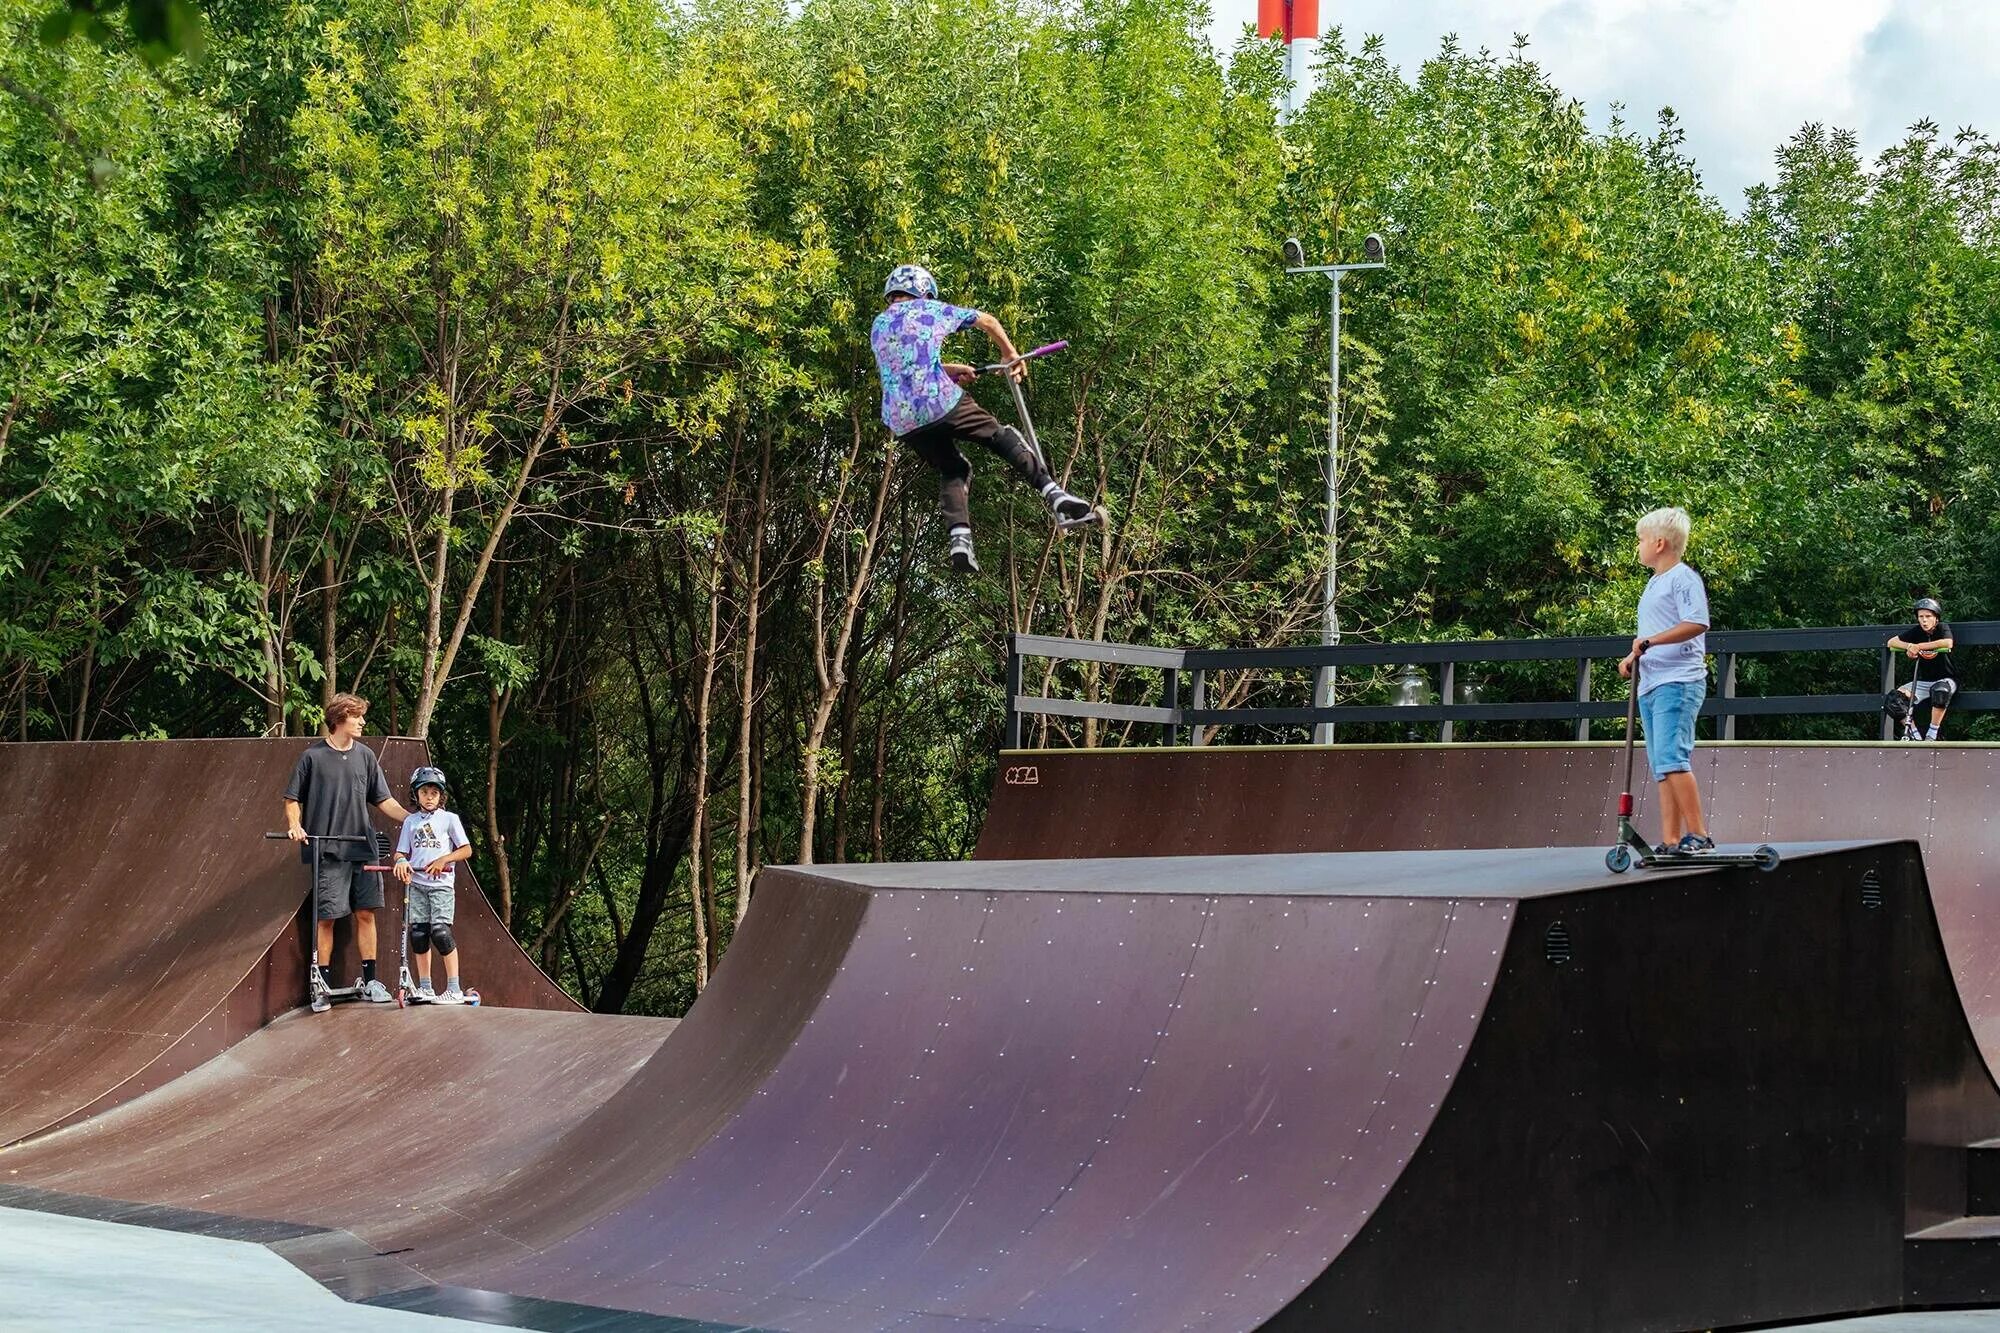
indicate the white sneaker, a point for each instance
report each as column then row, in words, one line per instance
column 446, row 997
column 376, row 993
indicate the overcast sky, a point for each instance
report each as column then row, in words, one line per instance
column 1741, row 74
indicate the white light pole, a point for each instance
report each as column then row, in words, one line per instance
column 1295, row 262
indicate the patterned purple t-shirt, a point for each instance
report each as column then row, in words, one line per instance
column 909, row 348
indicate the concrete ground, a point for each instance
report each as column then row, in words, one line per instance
column 71, row 1273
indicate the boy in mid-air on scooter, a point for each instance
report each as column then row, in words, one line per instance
column 428, row 851
column 924, row 403
column 1669, row 654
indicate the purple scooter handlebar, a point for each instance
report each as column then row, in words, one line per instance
column 1045, row 349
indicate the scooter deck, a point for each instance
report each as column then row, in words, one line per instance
column 1632, row 850
column 1697, row 859
column 471, row 1000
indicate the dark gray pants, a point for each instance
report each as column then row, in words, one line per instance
column 937, row 444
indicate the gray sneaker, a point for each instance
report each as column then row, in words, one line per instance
column 962, row 558
column 376, row 993
column 1070, row 510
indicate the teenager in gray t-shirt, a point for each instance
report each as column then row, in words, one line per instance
column 332, row 786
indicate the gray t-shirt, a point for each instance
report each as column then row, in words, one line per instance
column 424, row 839
column 1671, row 596
column 334, row 789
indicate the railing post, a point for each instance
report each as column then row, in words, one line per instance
column 1727, row 731
column 1582, row 697
column 1447, row 677
column 1171, row 701
column 1013, row 693
column 1200, row 703
column 1888, row 683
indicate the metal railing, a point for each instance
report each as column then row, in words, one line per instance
column 1184, row 702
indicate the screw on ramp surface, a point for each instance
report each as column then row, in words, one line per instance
column 379, row 1122
column 1194, row 1092
column 1207, row 800
column 151, row 925
column 1071, row 1110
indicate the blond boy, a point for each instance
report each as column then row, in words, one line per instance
column 1673, row 676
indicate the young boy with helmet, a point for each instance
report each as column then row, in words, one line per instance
column 1929, row 642
column 428, row 851
column 924, row 403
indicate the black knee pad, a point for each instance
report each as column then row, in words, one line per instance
column 420, row 938
column 1897, row 705
column 441, row 939
column 1012, row 442
column 1942, row 692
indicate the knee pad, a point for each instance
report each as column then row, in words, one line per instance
column 420, row 938
column 1897, row 705
column 1942, row 692
column 441, row 939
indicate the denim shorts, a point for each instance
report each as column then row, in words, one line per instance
column 1668, row 712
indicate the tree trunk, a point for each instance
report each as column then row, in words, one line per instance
column 897, row 614
column 496, row 717
column 753, row 595
column 698, row 891
column 428, row 683
column 329, row 613
column 447, row 655
column 274, row 652
column 543, row 947
column 829, row 665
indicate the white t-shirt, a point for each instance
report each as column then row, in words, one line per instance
column 1671, row 596
column 425, row 838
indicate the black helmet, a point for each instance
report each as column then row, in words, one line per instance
column 429, row 777
column 1929, row 604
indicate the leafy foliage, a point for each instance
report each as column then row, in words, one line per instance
column 506, row 360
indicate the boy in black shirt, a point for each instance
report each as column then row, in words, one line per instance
column 334, row 783
column 1929, row 642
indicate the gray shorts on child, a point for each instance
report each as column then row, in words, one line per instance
column 344, row 886
column 430, row 907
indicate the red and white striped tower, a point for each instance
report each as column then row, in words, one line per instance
column 1290, row 20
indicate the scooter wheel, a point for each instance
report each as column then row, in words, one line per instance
column 1767, row 857
column 1619, row 859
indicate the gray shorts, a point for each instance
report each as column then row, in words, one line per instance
column 430, row 907
column 1921, row 689
column 344, row 886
